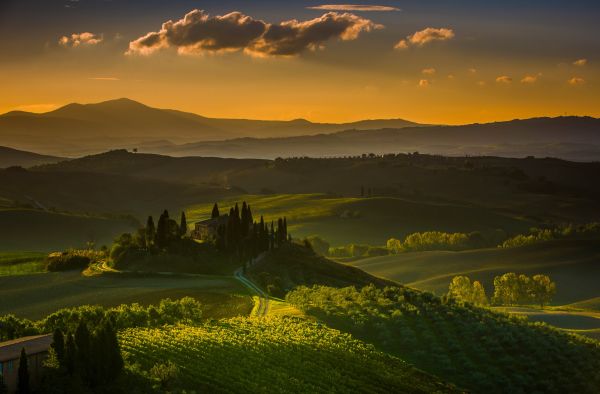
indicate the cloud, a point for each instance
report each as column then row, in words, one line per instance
column 353, row 7
column 530, row 79
column 428, row 71
column 472, row 70
column 575, row 81
column 580, row 62
column 504, row 79
column 105, row 79
column 80, row 39
column 198, row 32
column 423, row 83
column 424, row 37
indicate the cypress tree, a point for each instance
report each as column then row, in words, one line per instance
column 83, row 353
column 280, row 237
column 215, row 212
column 70, row 354
column 115, row 360
column 162, row 230
column 272, row 237
column 150, row 230
column 183, row 225
column 285, row 233
column 23, row 377
column 58, row 344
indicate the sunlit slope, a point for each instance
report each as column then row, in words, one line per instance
column 573, row 265
column 366, row 220
column 273, row 355
column 35, row 296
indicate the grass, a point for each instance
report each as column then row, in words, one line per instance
column 366, row 220
column 274, row 355
column 21, row 263
column 573, row 265
column 35, row 296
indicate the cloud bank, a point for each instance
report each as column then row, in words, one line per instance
column 580, row 62
column 198, row 32
column 354, row 7
column 80, row 39
column 424, row 37
column 575, row 81
column 504, row 79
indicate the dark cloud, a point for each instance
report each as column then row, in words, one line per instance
column 198, row 32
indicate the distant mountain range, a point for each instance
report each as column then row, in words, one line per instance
column 573, row 138
column 77, row 129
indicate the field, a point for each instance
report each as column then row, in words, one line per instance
column 21, row 263
column 573, row 265
column 35, row 296
column 342, row 220
column 42, row 231
column 271, row 355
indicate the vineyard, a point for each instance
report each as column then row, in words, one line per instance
column 266, row 355
column 471, row 347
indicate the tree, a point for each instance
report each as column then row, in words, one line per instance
column 150, row 230
column 479, row 297
column 215, row 212
column 506, row 289
column 70, row 361
column 58, row 344
column 543, row 289
column 160, row 238
column 83, row 350
column 318, row 244
column 183, row 225
column 23, row 377
column 460, row 288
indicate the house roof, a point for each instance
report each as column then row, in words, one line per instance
column 11, row 350
column 214, row 222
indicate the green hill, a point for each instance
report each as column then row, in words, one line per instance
column 273, row 355
column 38, row 230
column 573, row 265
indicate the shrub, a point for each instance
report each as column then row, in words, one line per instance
column 66, row 261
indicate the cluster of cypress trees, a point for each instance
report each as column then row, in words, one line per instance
column 242, row 235
column 166, row 230
column 94, row 357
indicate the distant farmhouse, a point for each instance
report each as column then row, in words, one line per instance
column 206, row 230
column 36, row 347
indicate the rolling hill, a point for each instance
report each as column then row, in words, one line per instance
column 13, row 157
column 573, row 265
column 77, row 129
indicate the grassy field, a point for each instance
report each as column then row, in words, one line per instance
column 34, row 296
column 274, row 355
column 38, row 230
column 21, row 263
column 573, row 265
column 366, row 220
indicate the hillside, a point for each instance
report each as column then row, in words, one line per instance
column 574, row 138
column 573, row 265
column 13, row 157
column 274, row 355
column 77, row 129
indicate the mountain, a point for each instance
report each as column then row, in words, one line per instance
column 77, row 129
column 572, row 138
column 13, row 157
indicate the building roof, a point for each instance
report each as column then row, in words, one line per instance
column 11, row 350
column 214, row 222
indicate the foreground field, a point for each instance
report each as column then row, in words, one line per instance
column 271, row 355
column 34, row 296
column 367, row 220
column 573, row 265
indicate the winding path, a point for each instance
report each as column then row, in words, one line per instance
column 262, row 309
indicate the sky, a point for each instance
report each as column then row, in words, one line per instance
column 429, row 61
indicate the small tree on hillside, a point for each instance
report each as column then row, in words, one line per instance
column 479, row 296
column 23, row 377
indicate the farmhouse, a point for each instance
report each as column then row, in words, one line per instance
column 36, row 347
column 206, row 230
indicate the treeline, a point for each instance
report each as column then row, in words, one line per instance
column 476, row 349
column 186, row 310
column 84, row 358
column 244, row 236
column 567, row 231
column 509, row 289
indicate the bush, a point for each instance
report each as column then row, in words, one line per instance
column 66, row 261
